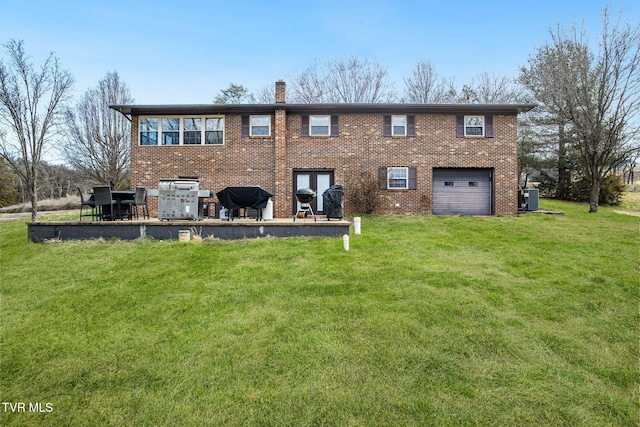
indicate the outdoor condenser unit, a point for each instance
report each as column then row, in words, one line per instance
column 528, row 199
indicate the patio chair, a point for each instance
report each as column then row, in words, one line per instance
column 102, row 197
column 89, row 203
column 139, row 199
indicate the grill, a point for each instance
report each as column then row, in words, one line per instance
column 305, row 196
column 181, row 198
column 333, row 201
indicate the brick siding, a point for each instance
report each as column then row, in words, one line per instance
column 361, row 146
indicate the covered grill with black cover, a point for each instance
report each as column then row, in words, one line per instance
column 333, row 201
column 254, row 197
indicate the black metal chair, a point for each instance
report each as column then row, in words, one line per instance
column 140, row 199
column 102, row 197
column 89, row 203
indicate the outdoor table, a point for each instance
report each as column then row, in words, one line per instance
column 122, row 210
column 119, row 197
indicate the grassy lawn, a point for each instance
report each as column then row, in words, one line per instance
column 518, row 320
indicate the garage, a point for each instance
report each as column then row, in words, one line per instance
column 462, row 191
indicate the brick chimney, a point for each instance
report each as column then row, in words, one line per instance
column 281, row 92
column 282, row 196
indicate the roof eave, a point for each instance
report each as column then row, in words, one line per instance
column 183, row 109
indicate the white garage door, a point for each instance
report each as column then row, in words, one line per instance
column 462, row 192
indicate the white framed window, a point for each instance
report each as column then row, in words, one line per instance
column 260, row 126
column 174, row 130
column 399, row 125
column 149, row 130
column 192, row 131
column 170, row 131
column 214, row 131
column 473, row 125
column 319, row 125
column 397, row 178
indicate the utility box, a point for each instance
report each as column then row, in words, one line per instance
column 528, row 199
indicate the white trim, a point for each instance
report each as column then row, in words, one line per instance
column 390, row 177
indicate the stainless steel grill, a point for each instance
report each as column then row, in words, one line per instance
column 180, row 198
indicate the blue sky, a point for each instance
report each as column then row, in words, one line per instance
column 171, row 52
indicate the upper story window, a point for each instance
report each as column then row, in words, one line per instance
column 319, row 125
column 325, row 125
column 399, row 125
column 473, row 125
column 214, row 133
column 192, row 134
column 260, row 125
column 171, row 131
column 148, row 131
column 182, row 130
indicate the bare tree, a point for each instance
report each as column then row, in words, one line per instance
column 263, row 96
column 99, row 138
column 596, row 94
column 309, row 87
column 351, row 80
column 31, row 101
column 424, row 86
column 495, row 89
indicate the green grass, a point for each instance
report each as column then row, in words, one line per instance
column 517, row 320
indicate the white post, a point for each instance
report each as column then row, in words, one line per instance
column 356, row 225
column 345, row 242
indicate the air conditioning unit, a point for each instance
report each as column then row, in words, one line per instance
column 528, row 199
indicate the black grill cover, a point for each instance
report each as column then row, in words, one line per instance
column 244, row 197
column 333, row 198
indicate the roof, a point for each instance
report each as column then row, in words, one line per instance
column 211, row 109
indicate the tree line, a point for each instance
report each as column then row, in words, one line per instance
column 585, row 125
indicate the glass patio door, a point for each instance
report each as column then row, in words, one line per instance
column 316, row 179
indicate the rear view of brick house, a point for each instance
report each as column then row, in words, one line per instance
column 438, row 159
